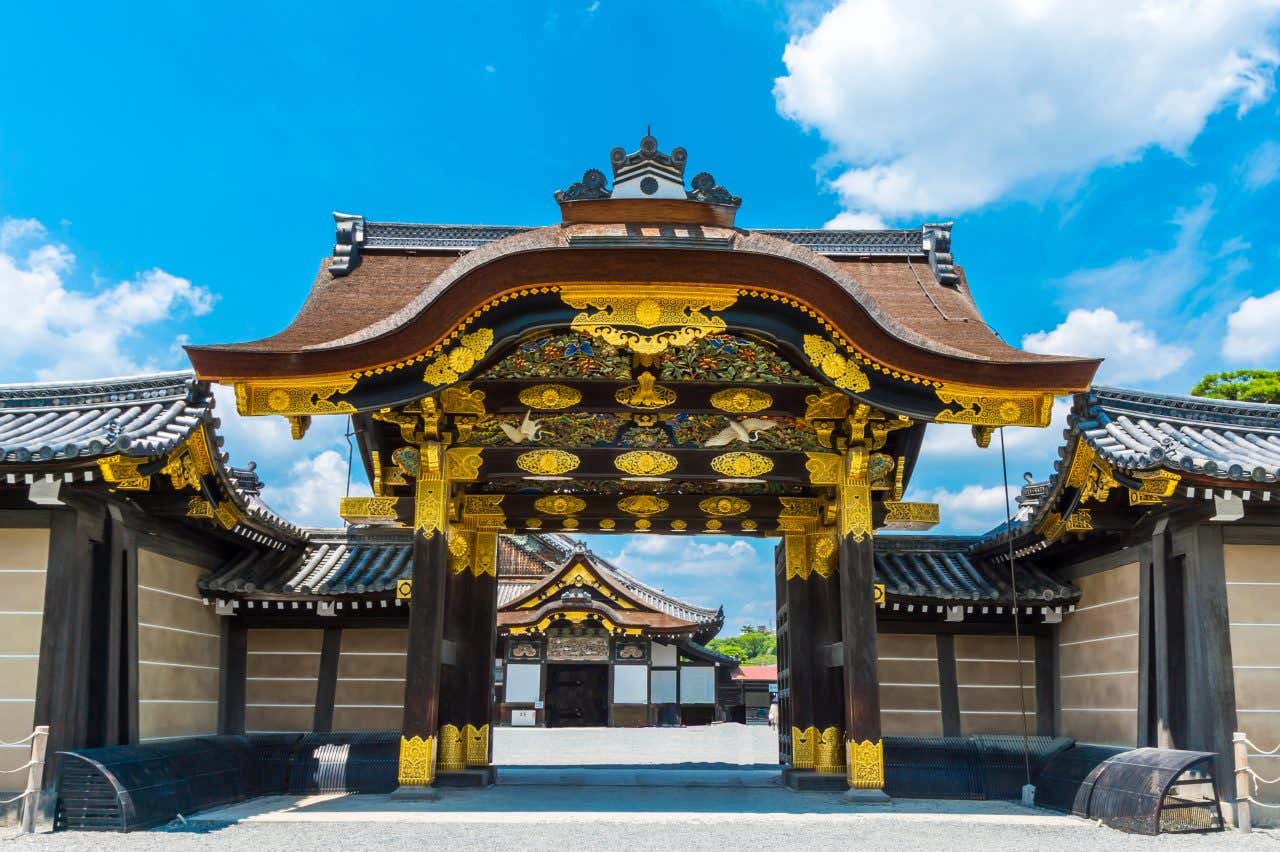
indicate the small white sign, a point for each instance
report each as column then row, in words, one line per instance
column 523, row 718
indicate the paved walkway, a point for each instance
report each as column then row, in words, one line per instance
column 706, row 747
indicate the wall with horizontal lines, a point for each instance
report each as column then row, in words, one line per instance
column 179, row 647
column 1098, row 660
column 281, row 675
column 909, row 698
column 988, row 684
column 24, row 555
column 370, row 694
column 1253, row 609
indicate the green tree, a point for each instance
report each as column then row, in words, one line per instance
column 1241, row 385
column 752, row 647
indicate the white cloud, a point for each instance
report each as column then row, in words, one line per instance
column 855, row 222
column 1253, row 329
column 930, row 108
column 1261, row 167
column 54, row 329
column 1132, row 351
column 316, row 485
column 657, row 556
column 973, row 509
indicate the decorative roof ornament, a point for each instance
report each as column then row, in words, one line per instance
column 651, row 175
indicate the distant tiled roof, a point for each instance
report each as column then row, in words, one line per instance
column 940, row 569
column 140, row 415
column 761, row 673
column 1223, row 439
column 407, row 236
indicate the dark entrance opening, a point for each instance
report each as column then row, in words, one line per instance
column 577, row 695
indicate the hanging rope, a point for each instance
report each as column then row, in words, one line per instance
column 350, row 454
column 1017, row 622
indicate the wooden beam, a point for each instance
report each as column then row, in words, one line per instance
column 948, row 685
column 233, row 671
column 327, row 680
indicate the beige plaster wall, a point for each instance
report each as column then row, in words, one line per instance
column 987, row 681
column 281, row 672
column 24, row 555
column 910, row 704
column 1253, row 610
column 179, row 644
column 370, row 693
column 1098, row 660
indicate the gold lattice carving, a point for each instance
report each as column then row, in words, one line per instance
column 828, row 753
column 741, row 400
column 462, row 464
column 198, row 507
column 667, row 316
column 227, row 514
column 453, row 750
column 189, row 462
column 804, row 745
column 121, row 473
column 1157, row 486
column 1081, row 520
column 741, row 465
column 547, row 462
column 822, row 553
column 450, row 366
column 910, row 516
column 853, row 496
column 645, row 463
column 294, row 396
column 866, row 765
column 461, row 399
column 842, row 370
column 460, row 543
column 477, row 740
column 824, row 468
column 560, row 504
column 417, row 761
column 643, row 505
column 797, row 520
column 550, row 397
column 431, row 502
column 367, row 510
column 646, row 394
column 994, row 407
column 724, row 506
column 826, row 404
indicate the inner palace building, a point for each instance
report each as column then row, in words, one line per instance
column 643, row 365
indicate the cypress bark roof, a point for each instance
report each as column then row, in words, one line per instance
column 942, row 570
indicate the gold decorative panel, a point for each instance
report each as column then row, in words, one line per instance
column 741, row 400
column 550, row 397
column 643, row 505
column 741, row 465
column 560, row 504
column 548, row 462
column 910, row 516
column 645, row 463
column 668, row 316
column 477, row 742
column 842, row 370
column 462, row 464
column 121, row 472
column 453, row 752
column 724, row 507
column 824, row 468
column 828, row 753
column 866, row 765
column 368, row 510
column 417, row 761
column 992, row 407
column 294, row 396
column 646, row 394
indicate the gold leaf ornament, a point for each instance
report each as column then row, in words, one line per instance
column 550, row 397
column 741, row 400
column 724, row 507
column 559, row 504
column 645, row 463
column 449, row 367
column 741, row 465
column 547, row 462
column 643, row 505
column 668, row 316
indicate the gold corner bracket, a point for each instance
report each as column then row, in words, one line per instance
column 978, row 406
column 294, row 398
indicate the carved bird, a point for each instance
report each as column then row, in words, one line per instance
column 746, row 430
column 529, row 430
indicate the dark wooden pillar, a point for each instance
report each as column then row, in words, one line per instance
column 426, row 629
column 480, row 651
column 62, row 684
column 1046, row 684
column 327, row 681
column 454, row 685
column 861, row 680
column 233, row 675
column 948, row 685
column 803, row 654
column 1211, row 697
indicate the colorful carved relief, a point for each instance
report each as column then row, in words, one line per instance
column 730, row 359
column 566, row 355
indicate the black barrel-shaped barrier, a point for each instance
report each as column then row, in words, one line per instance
column 350, row 762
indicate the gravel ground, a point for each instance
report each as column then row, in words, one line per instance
column 631, row 818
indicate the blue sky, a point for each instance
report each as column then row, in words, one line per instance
column 1114, row 174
